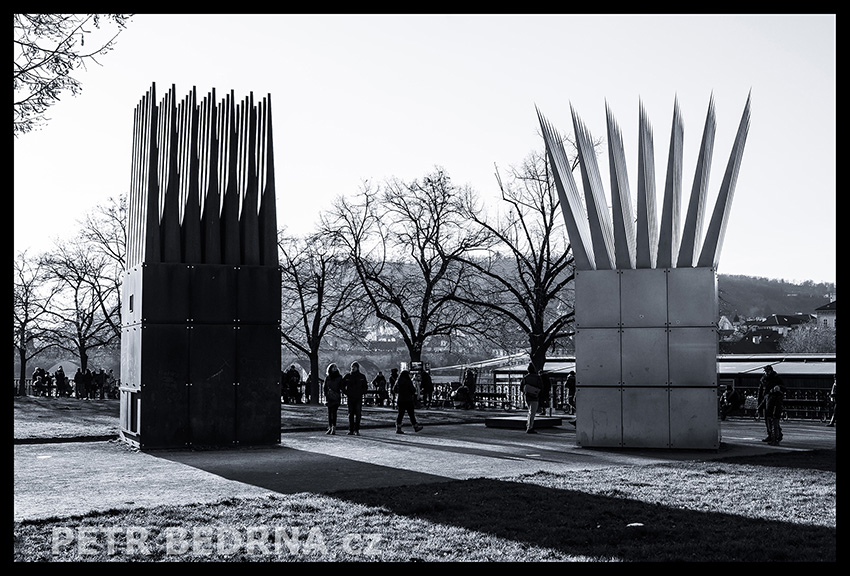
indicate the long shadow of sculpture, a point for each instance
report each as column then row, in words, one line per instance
column 580, row 524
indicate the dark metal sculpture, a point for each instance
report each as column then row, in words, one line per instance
column 200, row 345
column 646, row 294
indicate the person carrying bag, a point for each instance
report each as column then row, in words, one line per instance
column 531, row 386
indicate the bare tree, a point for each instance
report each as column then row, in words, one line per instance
column 809, row 339
column 407, row 242
column 48, row 49
column 525, row 282
column 85, row 309
column 320, row 294
column 33, row 295
column 104, row 230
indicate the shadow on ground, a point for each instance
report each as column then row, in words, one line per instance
column 571, row 522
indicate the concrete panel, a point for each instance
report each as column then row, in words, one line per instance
column 692, row 297
column 258, row 384
column 693, row 357
column 163, row 403
column 646, row 417
column 643, row 297
column 164, row 355
column 644, row 357
column 599, row 417
column 598, row 357
column 258, row 294
column 164, row 293
column 131, row 342
column 131, row 302
column 599, row 294
column 694, row 418
column 212, row 395
column 213, row 294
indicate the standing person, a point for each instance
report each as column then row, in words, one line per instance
column 545, row 393
column 80, row 384
column 834, row 398
column 61, row 383
column 380, row 384
column 427, row 389
column 571, row 391
column 469, row 381
column 774, row 394
column 406, row 390
column 354, row 385
column 392, row 386
column 333, row 395
column 88, row 383
column 100, row 383
column 531, row 385
column 293, row 384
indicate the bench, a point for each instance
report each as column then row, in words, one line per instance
column 492, row 399
column 371, row 397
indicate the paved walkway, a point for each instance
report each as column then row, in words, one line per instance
column 116, row 476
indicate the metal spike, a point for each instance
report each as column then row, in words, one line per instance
column 621, row 199
column 692, row 231
column 720, row 217
column 574, row 215
column 599, row 218
column 668, row 236
column 647, row 232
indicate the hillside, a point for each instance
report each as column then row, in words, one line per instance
column 749, row 296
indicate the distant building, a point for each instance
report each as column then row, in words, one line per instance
column 826, row 315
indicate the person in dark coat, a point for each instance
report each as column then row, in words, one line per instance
column 470, row 379
column 380, row 384
column 80, row 384
column 571, row 391
column 406, row 390
column 427, row 389
column 774, row 396
column 333, row 395
column 531, row 386
column 354, row 385
column 391, row 386
column 88, row 383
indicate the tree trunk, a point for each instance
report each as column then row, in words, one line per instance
column 537, row 352
column 415, row 351
column 22, row 383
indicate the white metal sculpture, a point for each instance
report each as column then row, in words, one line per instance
column 646, row 293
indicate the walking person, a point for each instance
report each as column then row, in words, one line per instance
column 774, row 394
column 406, row 390
column 571, row 392
column 354, row 385
column 391, row 386
column 531, row 386
column 333, row 395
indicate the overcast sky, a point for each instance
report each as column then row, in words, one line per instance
column 358, row 97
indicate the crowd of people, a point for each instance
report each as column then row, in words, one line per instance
column 83, row 385
column 354, row 385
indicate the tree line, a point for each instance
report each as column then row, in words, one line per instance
column 426, row 259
